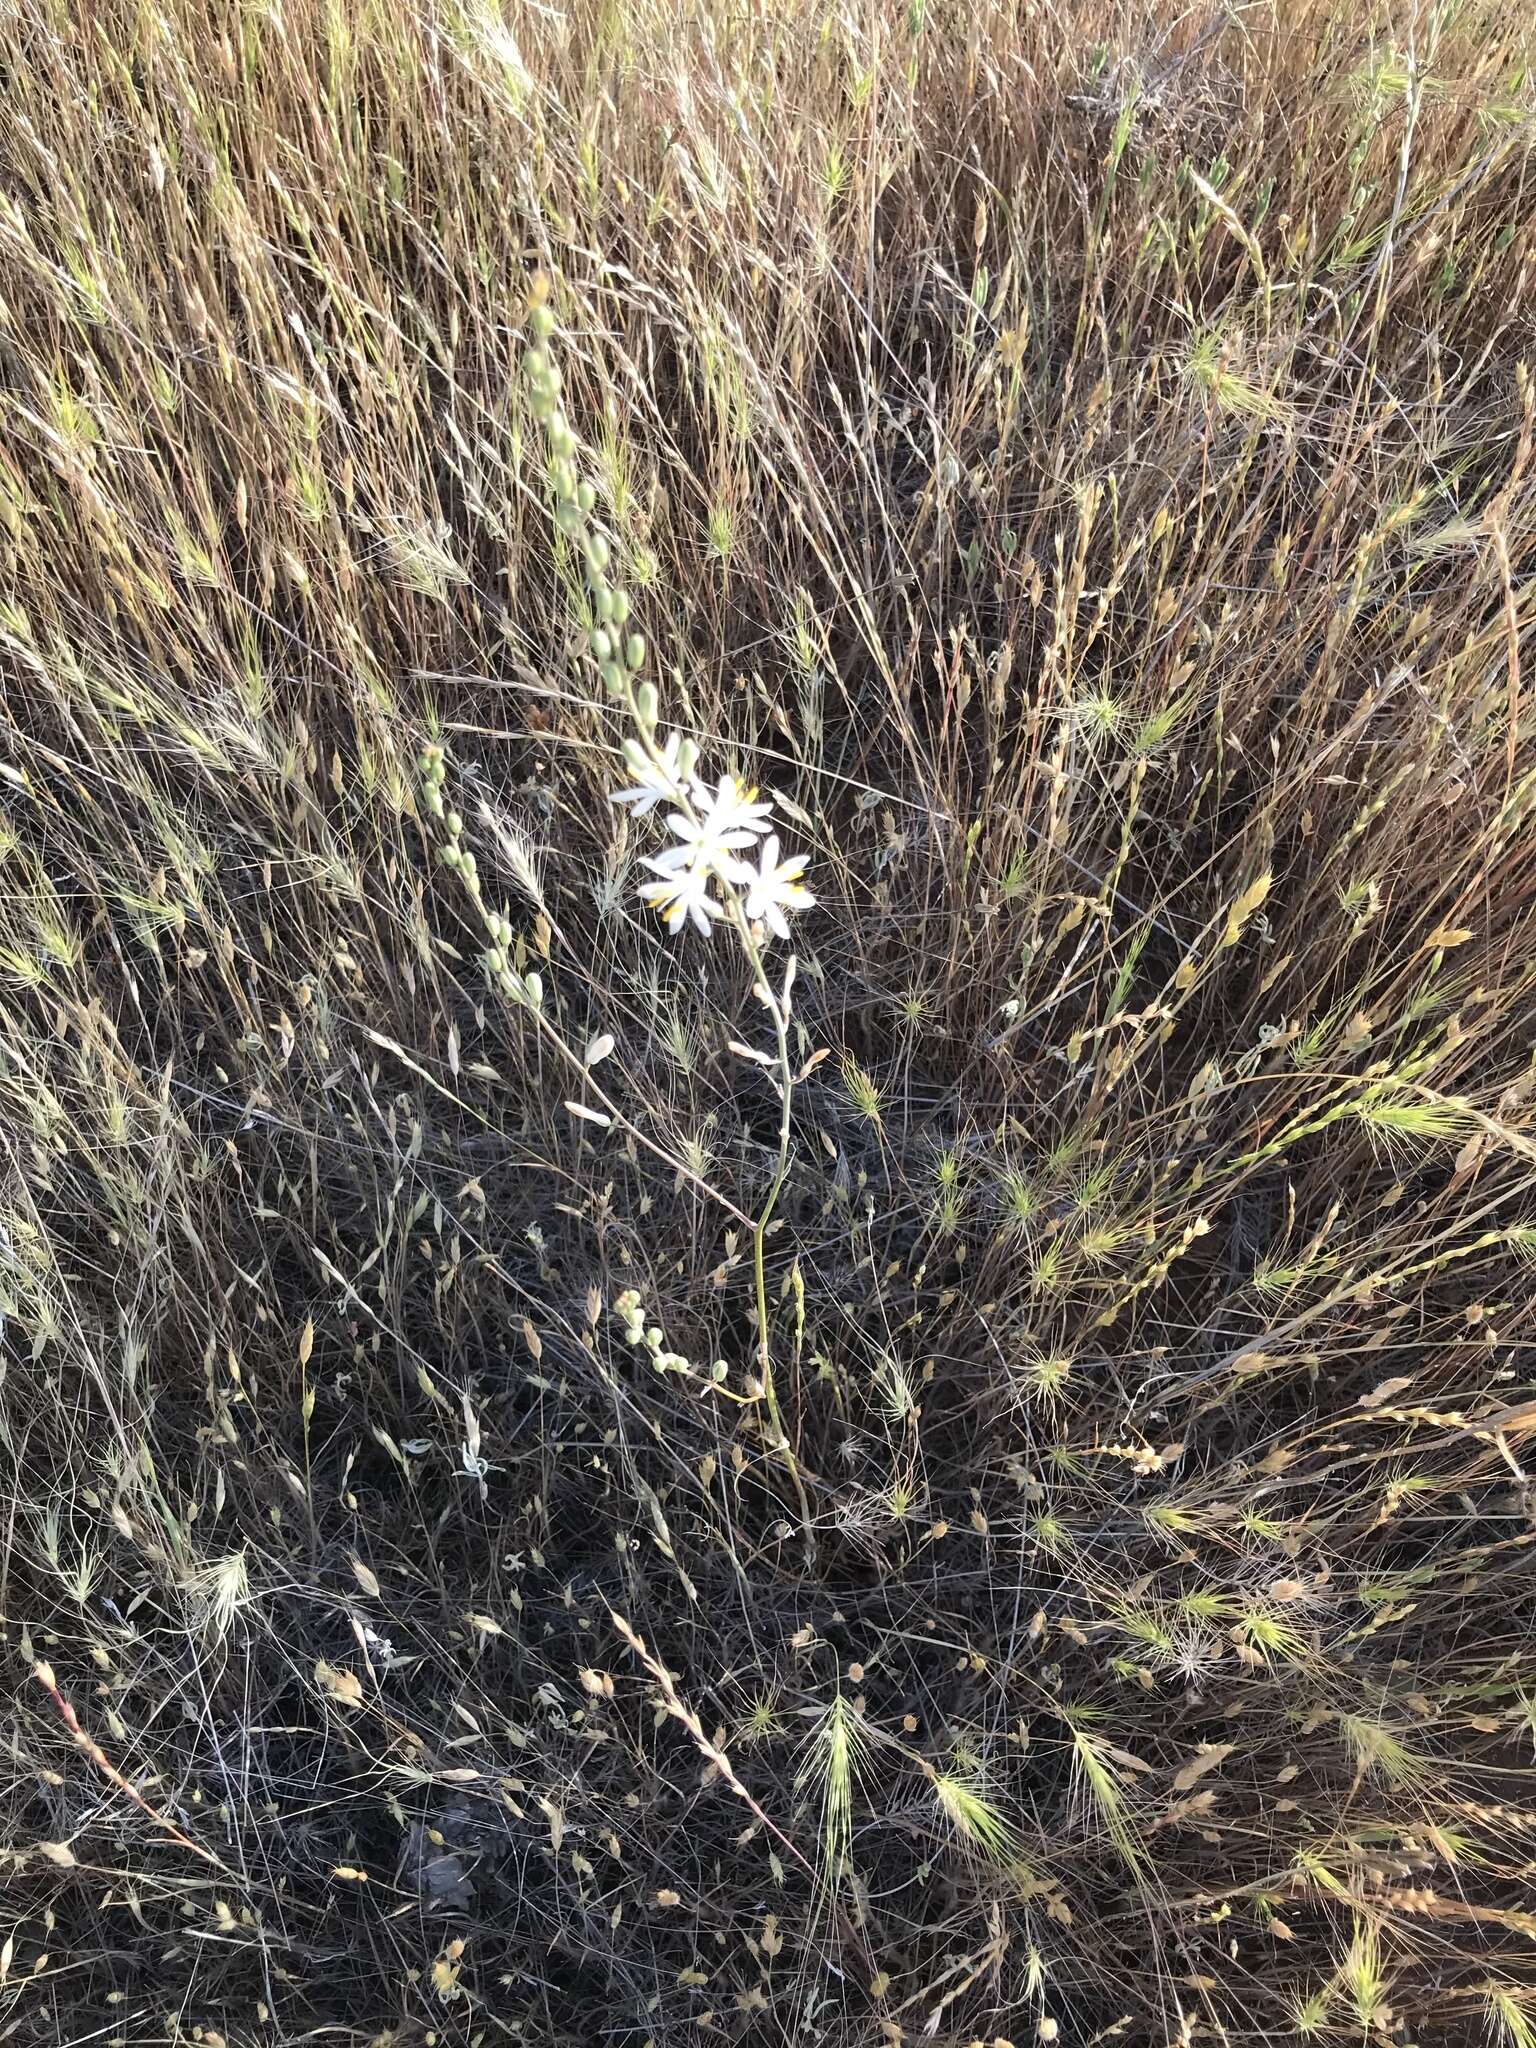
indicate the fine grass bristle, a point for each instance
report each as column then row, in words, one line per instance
column 767, row 1023
column 975, row 1818
column 1105, row 1795
column 1426, row 1122
column 834, row 1761
column 1363, row 1978
column 1376, row 1749
column 219, row 1588
column 1511, row 2014
column 863, row 1093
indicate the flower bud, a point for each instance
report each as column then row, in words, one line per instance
column 542, row 321
column 647, row 703
column 634, row 651
column 601, row 644
column 586, row 497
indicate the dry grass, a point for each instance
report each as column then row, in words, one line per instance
column 1080, row 455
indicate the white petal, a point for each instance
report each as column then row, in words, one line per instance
column 589, row 1116
column 670, row 860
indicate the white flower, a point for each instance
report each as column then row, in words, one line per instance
column 724, row 820
column 773, row 887
column 660, row 777
column 683, row 893
column 381, row 1646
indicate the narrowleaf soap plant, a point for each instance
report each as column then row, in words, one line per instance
column 723, row 868
column 1082, row 1592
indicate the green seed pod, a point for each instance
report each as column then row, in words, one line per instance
column 601, row 644
column 455, row 823
column 647, row 703
column 620, row 607
column 634, row 651
column 568, row 516
column 586, row 497
column 602, row 602
column 536, row 364
column 613, row 679
column 451, row 857
column 597, row 553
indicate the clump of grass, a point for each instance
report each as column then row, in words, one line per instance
column 1039, row 1359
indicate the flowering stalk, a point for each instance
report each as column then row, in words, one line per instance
column 705, row 876
column 526, row 989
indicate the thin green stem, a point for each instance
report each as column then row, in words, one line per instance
column 778, row 1010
